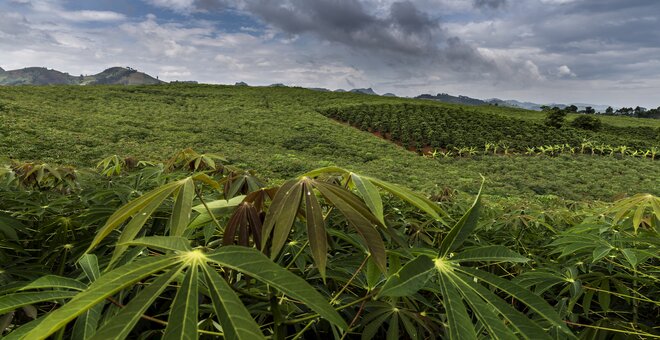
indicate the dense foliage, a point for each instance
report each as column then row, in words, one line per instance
column 195, row 247
column 277, row 132
column 418, row 126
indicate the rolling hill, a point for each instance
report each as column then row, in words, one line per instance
column 44, row 76
column 279, row 132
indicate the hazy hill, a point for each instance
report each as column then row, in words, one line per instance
column 446, row 98
column 44, row 76
column 369, row 91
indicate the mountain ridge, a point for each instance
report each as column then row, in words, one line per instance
column 44, row 76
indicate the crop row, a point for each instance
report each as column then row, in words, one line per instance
column 586, row 147
column 425, row 126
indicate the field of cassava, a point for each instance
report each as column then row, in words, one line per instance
column 198, row 211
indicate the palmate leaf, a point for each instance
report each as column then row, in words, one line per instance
column 233, row 315
column 99, row 290
column 525, row 327
column 182, row 208
column 54, row 281
column 215, row 207
column 533, row 301
column 256, row 265
column 182, row 322
column 86, row 324
column 409, row 279
column 166, row 243
column 403, row 193
column 370, row 195
column 15, row 301
column 411, row 197
column 359, row 217
column 280, row 216
column 121, row 324
column 460, row 324
column 134, row 207
column 489, row 253
column 318, row 239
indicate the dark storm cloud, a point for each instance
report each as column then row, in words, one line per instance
column 404, row 29
column 489, row 3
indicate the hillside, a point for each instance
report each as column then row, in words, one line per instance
column 44, row 76
column 278, row 132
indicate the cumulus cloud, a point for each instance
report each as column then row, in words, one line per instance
column 565, row 71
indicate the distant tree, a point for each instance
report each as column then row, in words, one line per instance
column 555, row 118
column 587, row 122
column 589, row 110
column 639, row 110
column 571, row 108
column 609, row 110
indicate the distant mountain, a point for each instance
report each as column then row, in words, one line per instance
column 537, row 107
column 389, row 95
column 241, row 83
column 369, row 91
column 446, row 98
column 44, row 76
column 320, row 89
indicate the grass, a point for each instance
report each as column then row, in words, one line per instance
column 278, row 132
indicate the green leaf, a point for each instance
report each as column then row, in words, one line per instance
column 409, row 279
column 253, row 263
column 411, row 197
column 121, row 324
column 54, row 281
column 489, row 253
column 182, row 322
column 460, row 324
column 359, row 217
column 463, row 227
column 325, row 170
column 533, row 301
column 373, row 274
column 90, row 265
column 280, row 216
column 14, row 301
column 318, row 242
column 600, row 252
column 107, row 285
column 630, row 257
column 370, row 195
column 133, row 227
column 604, row 295
column 527, row 328
column 172, row 243
column 86, row 324
column 236, row 321
column 131, row 209
column 182, row 208
column 484, row 311
column 216, row 207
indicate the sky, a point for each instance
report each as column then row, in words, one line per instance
column 544, row 51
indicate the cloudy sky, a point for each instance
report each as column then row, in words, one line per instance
column 595, row 51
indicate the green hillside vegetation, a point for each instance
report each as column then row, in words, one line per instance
column 279, row 133
column 419, row 126
column 186, row 211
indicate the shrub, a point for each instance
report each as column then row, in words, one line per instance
column 587, row 122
